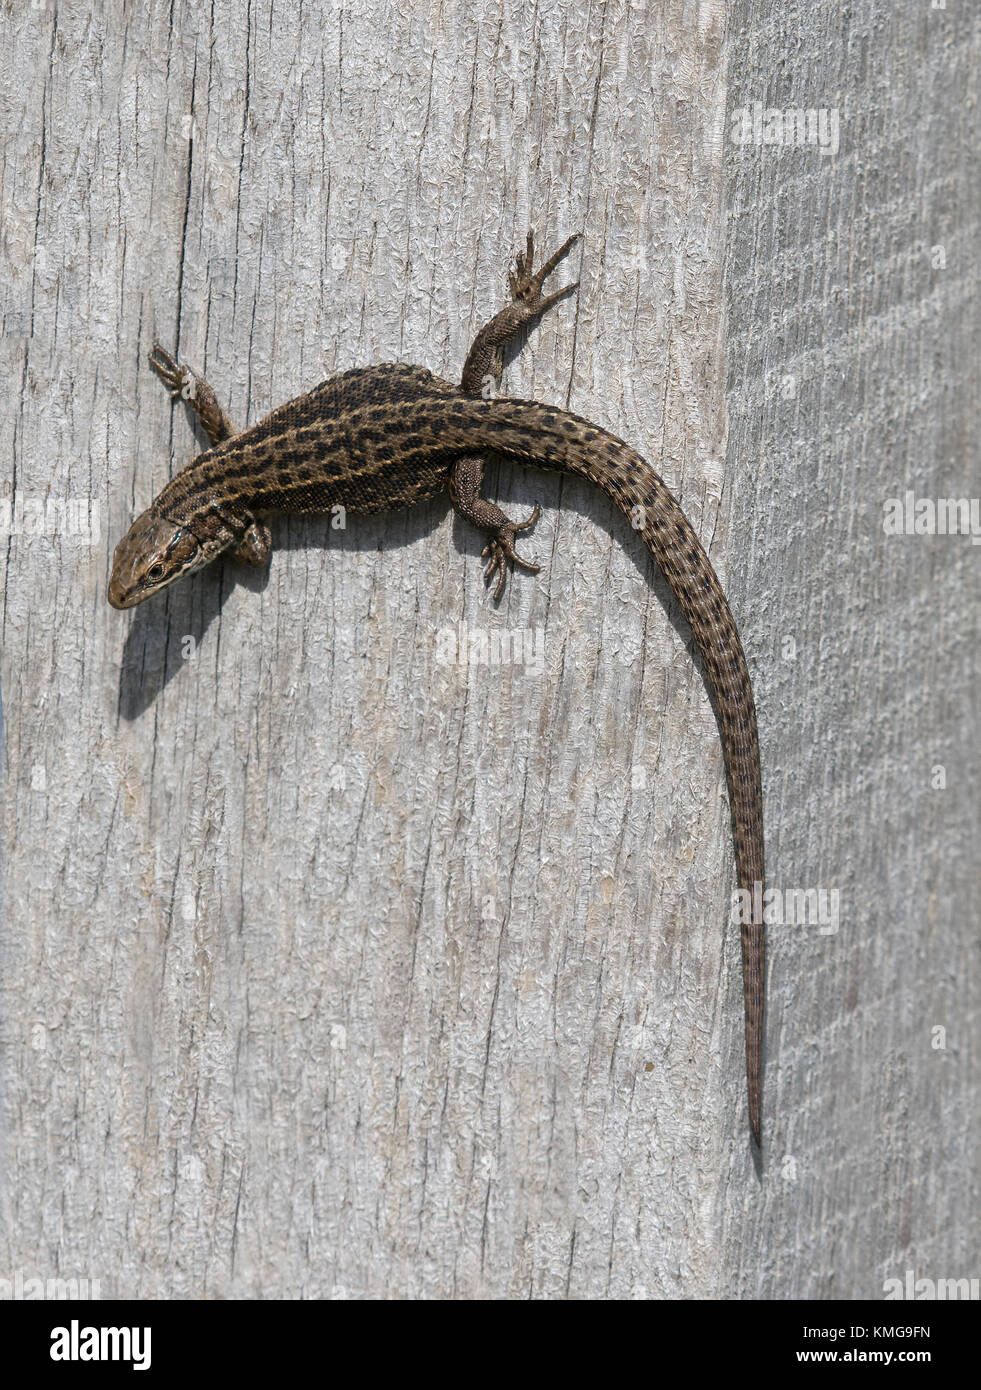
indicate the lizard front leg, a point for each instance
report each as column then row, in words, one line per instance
column 482, row 375
column 184, row 383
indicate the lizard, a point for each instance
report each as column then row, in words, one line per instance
column 385, row 437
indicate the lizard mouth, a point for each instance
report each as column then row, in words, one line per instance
column 118, row 599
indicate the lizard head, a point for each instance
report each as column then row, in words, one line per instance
column 153, row 553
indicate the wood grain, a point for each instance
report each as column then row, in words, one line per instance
column 331, row 968
column 852, row 285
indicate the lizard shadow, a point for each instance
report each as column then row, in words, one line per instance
column 522, row 486
column 163, row 636
column 165, row 633
column 517, row 486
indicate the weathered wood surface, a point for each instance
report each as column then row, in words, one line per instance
column 854, row 360
column 332, row 968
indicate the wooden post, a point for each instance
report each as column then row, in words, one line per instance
column 362, row 939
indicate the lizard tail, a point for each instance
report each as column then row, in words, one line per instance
column 557, row 439
column 649, row 505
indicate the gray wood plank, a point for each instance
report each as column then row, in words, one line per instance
column 854, row 373
column 333, row 968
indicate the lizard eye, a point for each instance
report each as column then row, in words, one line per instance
column 156, row 572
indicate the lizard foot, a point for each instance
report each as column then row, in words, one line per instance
column 179, row 381
column 184, row 384
column 526, row 286
column 500, row 549
column 255, row 546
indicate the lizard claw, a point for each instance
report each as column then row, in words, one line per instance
column 177, row 379
column 500, row 549
column 526, row 286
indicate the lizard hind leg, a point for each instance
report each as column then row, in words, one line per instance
column 465, row 481
column 485, row 360
column 482, row 376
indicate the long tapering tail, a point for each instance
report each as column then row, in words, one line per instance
column 560, row 440
column 644, row 498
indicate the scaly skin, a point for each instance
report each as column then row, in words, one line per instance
column 381, row 438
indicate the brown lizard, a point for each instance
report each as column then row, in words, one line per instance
column 380, row 438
